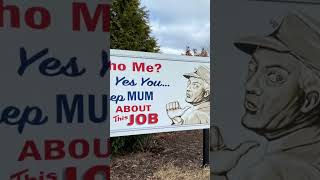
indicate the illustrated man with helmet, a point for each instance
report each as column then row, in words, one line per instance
column 281, row 103
column 198, row 95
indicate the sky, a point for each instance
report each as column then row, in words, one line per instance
column 179, row 23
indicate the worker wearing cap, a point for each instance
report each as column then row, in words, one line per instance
column 198, row 95
column 282, row 100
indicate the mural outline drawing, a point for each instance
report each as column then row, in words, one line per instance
column 281, row 103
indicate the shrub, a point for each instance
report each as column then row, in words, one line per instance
column 131, row 143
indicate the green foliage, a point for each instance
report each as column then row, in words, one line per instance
column 131, row 143
column 130, row 30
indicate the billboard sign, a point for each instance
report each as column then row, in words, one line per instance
column 158, row 93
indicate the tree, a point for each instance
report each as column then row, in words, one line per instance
column 194, row 52
column 130, row 30
column 188, row 51
column 203, row 53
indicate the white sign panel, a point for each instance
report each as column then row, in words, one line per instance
column 267, row 90
column 153, row 93
column 53, row 108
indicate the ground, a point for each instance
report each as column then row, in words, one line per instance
column 175, row 155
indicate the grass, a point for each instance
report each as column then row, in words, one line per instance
column 171, row 172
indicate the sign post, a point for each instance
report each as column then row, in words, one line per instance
column 206, row 145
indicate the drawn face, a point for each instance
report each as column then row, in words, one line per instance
column 272, row 90
column 195, row 90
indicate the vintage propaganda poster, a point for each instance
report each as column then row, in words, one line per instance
column 154, row 92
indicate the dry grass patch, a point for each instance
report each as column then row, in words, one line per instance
column 175, row 156
column 171, row 172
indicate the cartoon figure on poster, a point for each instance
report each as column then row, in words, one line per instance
column 281, row 104
column 197, row 95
